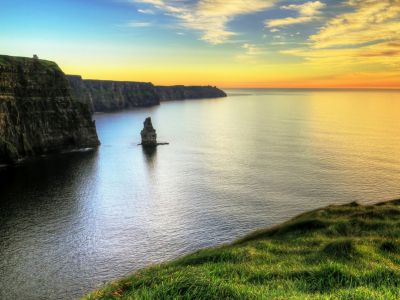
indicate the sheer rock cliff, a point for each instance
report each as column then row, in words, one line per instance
column 106, row 96
column 181, row 92
column 38, row 114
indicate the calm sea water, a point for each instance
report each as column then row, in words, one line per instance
column 69, row 223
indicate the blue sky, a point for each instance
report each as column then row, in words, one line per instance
column 230, row 43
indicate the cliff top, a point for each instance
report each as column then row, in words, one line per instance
column 338, row 252
column 8, row 61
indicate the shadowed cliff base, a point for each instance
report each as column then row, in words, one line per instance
column 107, row 95
column 337, row 252
column 37, row 112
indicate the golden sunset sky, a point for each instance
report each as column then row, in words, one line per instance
column 228, row 43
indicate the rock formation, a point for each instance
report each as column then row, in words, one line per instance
column 149, row 135
column 37, row 112
column 181, row 92
column 105, row 96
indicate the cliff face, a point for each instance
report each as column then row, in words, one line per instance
column 37, row 112
column 104, row 95
column 181, row 92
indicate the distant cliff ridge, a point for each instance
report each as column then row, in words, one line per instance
column 181, row 92
column 37, row 112
column 105, row 96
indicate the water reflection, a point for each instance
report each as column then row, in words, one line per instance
column 69, row 223
column 357, row 142
column 42, row 206
column 150, row 156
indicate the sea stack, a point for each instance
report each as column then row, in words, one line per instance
column 149, row 135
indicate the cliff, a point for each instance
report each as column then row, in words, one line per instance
column 105, row 95
column 37, row 112
column 181, row 92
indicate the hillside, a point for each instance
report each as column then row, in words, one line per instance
column 338, row 252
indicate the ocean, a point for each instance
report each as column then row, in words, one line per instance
column 70, row 222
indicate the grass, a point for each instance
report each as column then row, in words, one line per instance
column 6, row 60
column 338, row 252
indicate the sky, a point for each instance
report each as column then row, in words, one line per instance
column 227, row 43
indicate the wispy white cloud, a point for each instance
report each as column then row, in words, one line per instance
column 209, row 17
column 306, row 9
column 368, row 35
column 308, row 12
column 251, row 53
column 387, row 54
column 138, row 24
column 146, row 11
column 252, row 49
column 288, row 21
column 371, row 20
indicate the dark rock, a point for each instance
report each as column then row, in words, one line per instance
column 181, row 92
column 37, row 112
column 107, row 96
column 149, row 135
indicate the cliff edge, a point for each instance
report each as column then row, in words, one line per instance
column 37, row 112
column 107, row 96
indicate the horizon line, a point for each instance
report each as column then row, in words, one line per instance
column 317, row 88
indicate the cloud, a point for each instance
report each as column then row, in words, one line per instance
column 288, row 21
column 308, row 12
column 385, row 54
column 209, row 17
column 306, row 9
column 252, row 49
column 251, row 54
column 371, row 20
column 138, row 24
column 146, row 11
column 366, row 37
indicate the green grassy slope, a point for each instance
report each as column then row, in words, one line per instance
column 337, row 252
